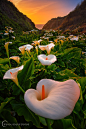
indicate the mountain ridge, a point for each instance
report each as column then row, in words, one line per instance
column 11, row 16
column 76, row 18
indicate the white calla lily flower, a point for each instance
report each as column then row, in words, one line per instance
column 12, row 74
column 25, row 47
column 37, row 42
column 53, row 99
column 16, row 58
column 47, row 60
column 6, row 46
column 47, row 47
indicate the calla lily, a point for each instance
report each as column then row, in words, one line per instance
column 37, row 42
column 13, row 37
column 75, row 38
column 47, row 47
column 25, row 47
column 6, row 33
column 28, row 47
column 46, row 60
column 53, row 99
column 22, row 49
column 36, row 50
column 55, row 40
column 12, row 74
column 16, row 58
column 6, row 46
column 46, row 38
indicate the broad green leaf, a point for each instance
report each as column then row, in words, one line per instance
column 67, row 124
column 82, row 82
column 4, row 61
column 27, row 72
column 21, row 109
column 10, row 120
column 84, row 114
column 7, row 100
column 42, row 120
column 16, row 90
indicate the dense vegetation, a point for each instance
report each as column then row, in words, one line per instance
column 70, row 64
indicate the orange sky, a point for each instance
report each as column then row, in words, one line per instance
column 40, row 11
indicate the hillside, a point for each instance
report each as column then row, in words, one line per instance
column 10, row 16
column 76, row 18
column 54, row 23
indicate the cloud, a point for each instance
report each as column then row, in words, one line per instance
column 33, row 6
column 15, row 1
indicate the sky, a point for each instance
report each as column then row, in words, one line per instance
column 41, row 11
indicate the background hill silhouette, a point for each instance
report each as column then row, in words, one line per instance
column 10, row 16
column 74, row 20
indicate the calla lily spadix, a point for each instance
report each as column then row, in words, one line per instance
column 16, row 58
column 53, row 99
column 47, row 60
column 12, row 74
column 47, row 47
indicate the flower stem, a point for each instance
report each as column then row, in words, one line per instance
column 48, row 123
column 9, row 59
column 21, row 88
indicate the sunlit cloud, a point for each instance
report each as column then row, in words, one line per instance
column 40, row 11
column 31, row 6
column 15, row 1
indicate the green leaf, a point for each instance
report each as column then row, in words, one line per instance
column 82, row 82
column 4, row 61
column 84, row 114
column 9, row 120
column 7, row 100
column 67, row 124
column 60, row 62
column 16, row 90
column 27, row 72
column 42, row 120
column 27, row 85
column 21, row 109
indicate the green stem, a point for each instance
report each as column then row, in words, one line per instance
column 9, row 59
column 21, row 88
column 48, row 123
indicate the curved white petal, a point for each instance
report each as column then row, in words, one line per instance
column 60, row 100
column 47, row 47
column 16, row 58
column 15, row 70
column 50, row 59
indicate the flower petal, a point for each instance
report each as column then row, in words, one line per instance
column 60, row 101
column 42, row 59
column 15, row 70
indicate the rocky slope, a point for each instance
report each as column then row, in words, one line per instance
column 10, row 16
column 75, row 19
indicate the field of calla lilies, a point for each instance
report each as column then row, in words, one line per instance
column 42, row 80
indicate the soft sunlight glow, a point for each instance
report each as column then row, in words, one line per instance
column 40, row 11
